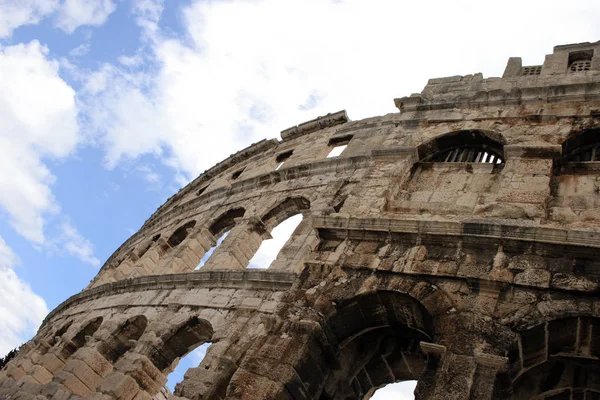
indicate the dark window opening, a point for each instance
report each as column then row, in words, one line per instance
column 531, row 70
column 340, row 140
column 582, row 147
column 201, row 190
column 284, row 156
column 237, row 174
column 339, row 144
column 580, row 61
column 226, row 221
column 463, row 147
column 281, row 158
column 181, row 233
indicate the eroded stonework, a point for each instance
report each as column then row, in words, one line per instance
column 455, row 243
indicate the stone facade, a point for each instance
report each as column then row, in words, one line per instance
column 456, row 243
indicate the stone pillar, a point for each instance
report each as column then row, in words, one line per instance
column 292, row 363
column 451, row 376
column 239, row 246
column 297, row 247
column 210, row 379
column 188, row 254
column 390, row 170
column 488, row 366
column 525, row 185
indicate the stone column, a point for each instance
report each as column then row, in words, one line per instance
column 391, row 168
column 188, row 254
column 297, row 247
column 239, row 246
column 488, row 366
column 451, row 376
column 525, row 185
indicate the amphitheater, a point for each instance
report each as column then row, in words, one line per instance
column 455, row 243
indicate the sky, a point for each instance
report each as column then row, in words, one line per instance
column 108, row 107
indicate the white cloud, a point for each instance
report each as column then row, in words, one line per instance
column 148, row 14
column 21, row 310
column 76, row 245
column 245, row 70
column 38, row 114
column 23, row 12
column 75, row 13
column 80, row 50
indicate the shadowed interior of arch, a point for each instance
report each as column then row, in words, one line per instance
column 180, row 342
column 559, row 359
column 378, row 337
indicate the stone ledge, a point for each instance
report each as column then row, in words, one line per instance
column 531, row 233
column 248, row 279
column 314, row 125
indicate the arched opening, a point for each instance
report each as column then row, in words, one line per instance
column 226, row 221
column 472, row 146
column 378, row 339
column 337, row 145
column 582, row 147
column 80, row 339
column 281, row 222
column 176, row 344
column 181, row 233
column 270, row 248
column 559, row 359
column 190, row 360
column 123, row 338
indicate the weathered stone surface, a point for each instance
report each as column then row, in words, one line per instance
column 455, row 243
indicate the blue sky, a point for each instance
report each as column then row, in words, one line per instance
column 108, row 107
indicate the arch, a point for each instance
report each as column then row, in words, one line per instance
column 285, row 209
column 582, row 146
column 80, row 338
column 121, row 340
column 226, row 221
column 377, row 338
column 181, row 233
column 557, row 359
column 54, row 337
column 179, row 342
column 464, row 146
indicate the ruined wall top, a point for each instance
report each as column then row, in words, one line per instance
column 569, row 73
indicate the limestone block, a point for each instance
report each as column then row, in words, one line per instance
column 84, row 373
column 40, row 374
column 73, row 384
column 94, row 360
column 119, row 386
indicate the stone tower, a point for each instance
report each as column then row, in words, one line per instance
column 456, row 243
